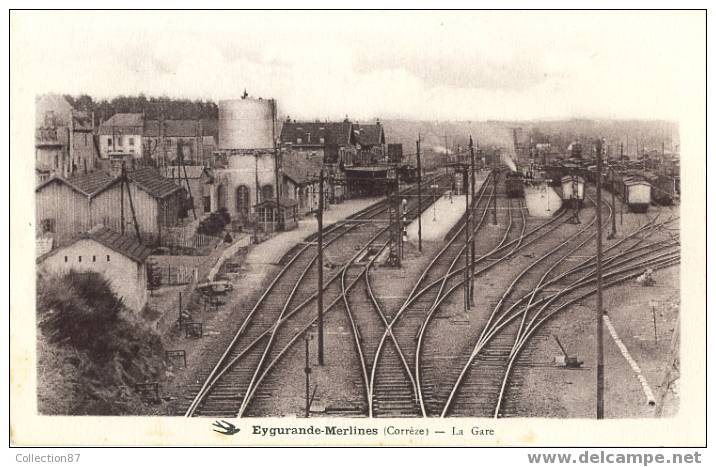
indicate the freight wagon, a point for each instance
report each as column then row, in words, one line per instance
column 635, row 192
column 662, row 189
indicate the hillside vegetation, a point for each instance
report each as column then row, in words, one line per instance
column 91, row 349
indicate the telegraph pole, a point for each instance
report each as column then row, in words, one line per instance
column 600, row 313
column 494, row 191
column 465, row 180
column 614, row 207
column 307, row 370
column 420, row 198
column 280, row 223
column 472, row 234
column 320, row 268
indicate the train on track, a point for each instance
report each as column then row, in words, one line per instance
column 514, row 185
column 663, row 188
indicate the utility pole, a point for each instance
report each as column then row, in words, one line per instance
column 494, row 191
column 468, row 229
column 446, row 155
column 307, row 370
column 121, row 198
column 599, row 313
column 614, row 207
column 279, row 224
column 320, row 268
column 472, row 234
column 420, row 198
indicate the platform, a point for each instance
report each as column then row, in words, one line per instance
column 442, row 215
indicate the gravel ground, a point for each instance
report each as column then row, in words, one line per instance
column 549, row 391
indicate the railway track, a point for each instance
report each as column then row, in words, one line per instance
column 400, row 378
column 481, row 386
column 262, row 339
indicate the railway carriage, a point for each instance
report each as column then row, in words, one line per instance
column 573, row 190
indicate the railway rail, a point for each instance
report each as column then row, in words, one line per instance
column 228, row 383
column 506, row 334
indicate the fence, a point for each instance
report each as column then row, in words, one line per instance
column 176, row 275
column 186, row 238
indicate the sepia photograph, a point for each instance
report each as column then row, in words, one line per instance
column 358, row 227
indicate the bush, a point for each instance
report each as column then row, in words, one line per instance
column 215, row 223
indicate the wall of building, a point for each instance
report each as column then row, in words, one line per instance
column 74, row 213
column 121, row 144
column 83, row 150
column 126, row 277
column 52, row 110
column 66, row 208
column 107, row 207
column 243, row 169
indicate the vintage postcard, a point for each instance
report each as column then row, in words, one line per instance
column 445, row 228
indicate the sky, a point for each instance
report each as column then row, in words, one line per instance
column 419, row 65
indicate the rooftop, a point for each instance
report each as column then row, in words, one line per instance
column 310, row 133
column 369, row 135
column 151, row 181
column 126, row 245
column 87, row 184
column 123, row 123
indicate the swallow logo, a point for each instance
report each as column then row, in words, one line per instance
column 225, row 428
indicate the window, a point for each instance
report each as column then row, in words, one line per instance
column 266, row 192
column 299, row 140
column 50, row 120
column 94, row 258
column 79, row 259
column 131, row 141
column 242, row 200
column 323, row 140
column 109, row 141
column 65, row 259
column 48, row 225
column 266, row 214
column 108, row 258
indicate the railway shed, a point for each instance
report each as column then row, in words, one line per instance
column 368, row 181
